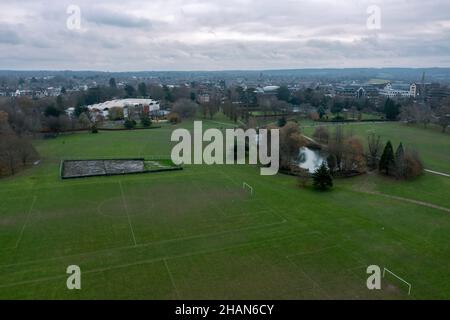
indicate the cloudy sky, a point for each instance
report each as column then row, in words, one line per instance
column 131, row 35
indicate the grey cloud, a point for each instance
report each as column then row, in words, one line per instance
column 216, row 34
column 9, row 37
column 117, row 19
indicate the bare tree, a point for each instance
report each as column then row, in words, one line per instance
column 336, row 146
column 15, row 151
column 322, row 134
column 25, row 151
column 186, row 108
column 353, row 158
column 375, row 147
column 291, row 141
column 443, row 115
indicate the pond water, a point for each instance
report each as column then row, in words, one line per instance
column 311, row 159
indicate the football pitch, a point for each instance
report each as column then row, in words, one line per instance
column 198, row 234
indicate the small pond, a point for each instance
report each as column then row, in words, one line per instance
column 311, row 159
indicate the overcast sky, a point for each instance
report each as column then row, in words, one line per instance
column 132, row 35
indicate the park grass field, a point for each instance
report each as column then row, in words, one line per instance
column 196, row 234
column 433, row 145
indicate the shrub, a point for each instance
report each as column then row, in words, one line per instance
column 315, row 116
column 94, row 129
column 130, row 124
column 174, row 118
column 303, row 177
column 145, row 121
column 322, row 179
column 413, row 165
column 282, row 122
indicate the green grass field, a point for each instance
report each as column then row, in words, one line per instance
column 196, row 234
column 433, row 145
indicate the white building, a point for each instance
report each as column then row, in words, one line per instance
column 147, row 105
column 267, row 90
column 204, row 98
column 404, row 91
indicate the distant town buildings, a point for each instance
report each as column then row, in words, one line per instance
column 268, row 90
column 204, row 98
column 399, row 90
column 128, row 106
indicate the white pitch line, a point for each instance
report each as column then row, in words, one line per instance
column 311, row 252
column 315, row 283
column 438, row 173
column 145, row 245
column 126, row 211
column 154, row 260
column 171, row 279
column 25, row 223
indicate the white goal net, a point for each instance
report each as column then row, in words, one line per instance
column 248, row 188
column 385, row 270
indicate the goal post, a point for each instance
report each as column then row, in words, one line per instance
column 398, row 278
column 248, row 188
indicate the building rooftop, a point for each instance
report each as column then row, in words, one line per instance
column 121, row 103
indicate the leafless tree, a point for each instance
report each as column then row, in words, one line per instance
column 291, row 141
column 336, row 146
column 443, row 115
column 186, row 108
column 375, row 147
column 322, row 134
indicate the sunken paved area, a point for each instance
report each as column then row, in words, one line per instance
column 89, row 168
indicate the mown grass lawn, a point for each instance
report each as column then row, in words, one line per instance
column 195, row 234
column 433, row 145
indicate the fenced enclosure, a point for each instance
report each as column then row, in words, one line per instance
column 71, row 169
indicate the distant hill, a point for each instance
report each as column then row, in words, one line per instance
column 407, row 74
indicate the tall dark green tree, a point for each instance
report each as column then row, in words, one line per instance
column 130, row 124
column 391, row 109
column 142, row 88
column 80, row 109
column 130, row 91
column 112, row 83
column 282, row 122
column 387, row 161
column 168, row 94
column 321, row 111
column 400, row 162
column 52, row 111
column 145, row 121
column 322, row 178
column 59, row 102
column 283, row 94
column 93, row 95
column 336, row 107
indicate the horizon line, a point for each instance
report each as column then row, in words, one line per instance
column 221, row 70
